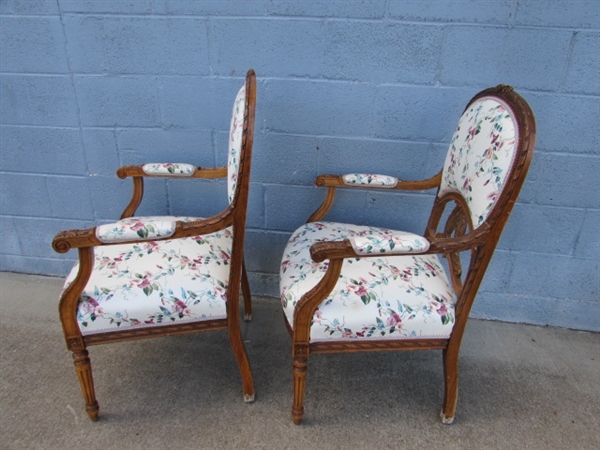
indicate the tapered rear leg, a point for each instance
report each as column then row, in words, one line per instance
column 450, row 386
column 239, row 351
column 83, row 367
column 246, row 294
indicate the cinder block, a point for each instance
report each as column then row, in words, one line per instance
column 9, row 244
column 198, row 103
column 197, row 198
column 318, row 107
column 499, row 11
column 24, row 195
column 274, row 48
column 401, row 159
column 37, row 100
column 583, row 74
column 569, row 180
column 212, row 7
column 419, row 113
column 36, row 234
column 564, row 122
column 561, row 13
column 70, row 198
column 498, row 272
column 42, row 150
column 137, row 45
column 288, row 207
column 486, row 57
column 33, row 44
column 255, row 216
column 29, row 7
column 141, row 146
column 578, row 315
column 101, row 151
column 286, row 159
column 514, row 308
column 555, row 276
column 542, row 229
column 102, row 6
column 369, row 9
column 118, row 101
column 588, row 242
column 381, row 52
column 111, row 195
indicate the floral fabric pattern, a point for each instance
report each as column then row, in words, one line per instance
column 235, row 142
column 137, row 228
column 480, row 156
column 395, row 297
column 381, row 240
column 156, row 283
column 368, row 179
column 172, row 169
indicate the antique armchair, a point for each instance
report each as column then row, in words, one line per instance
column 350, row 288
column 145, row 277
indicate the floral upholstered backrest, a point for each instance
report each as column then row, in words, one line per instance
column 235, row 142
column 480, row 156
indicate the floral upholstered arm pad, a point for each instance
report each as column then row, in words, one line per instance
column 381, row 240
column 369, row 179
column 171, row 169
column 136, row 229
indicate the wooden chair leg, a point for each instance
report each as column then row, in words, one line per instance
column 450, row 386
column 83, row 367
column 239, row 351
column 299, row 369
column 246, row 294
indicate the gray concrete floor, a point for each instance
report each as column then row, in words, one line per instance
column 521, row 387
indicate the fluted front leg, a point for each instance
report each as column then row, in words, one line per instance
column 299, row 368
column 83, row 367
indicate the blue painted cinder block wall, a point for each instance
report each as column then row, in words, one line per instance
column 373, row 85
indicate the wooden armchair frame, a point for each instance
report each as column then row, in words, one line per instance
column 449, row 239
column 233, row 216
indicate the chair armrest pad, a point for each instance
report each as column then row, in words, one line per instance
column 136, row 229
column 170, row 169
column 369, row 179
column 389, row 242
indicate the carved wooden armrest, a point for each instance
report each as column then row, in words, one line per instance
column 363, row 247
column 171, row 170
column 134, row 229
column 376, row 181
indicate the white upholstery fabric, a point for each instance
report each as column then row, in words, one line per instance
column 235, row 141
column 396, row 297
column 135, row 228
column 156, row 283
column 480, row 156
column 390, row 242
column 171, row 169
column 370, row 179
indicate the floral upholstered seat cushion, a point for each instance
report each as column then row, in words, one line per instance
column 156, row 283
column 392, row 297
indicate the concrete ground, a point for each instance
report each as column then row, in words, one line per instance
column 521, row 387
